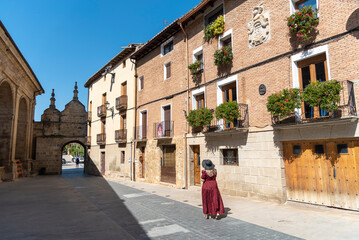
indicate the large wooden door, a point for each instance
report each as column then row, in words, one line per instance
column 103, row 163
column 197, row 165
column 323, row 172
column 168, row 164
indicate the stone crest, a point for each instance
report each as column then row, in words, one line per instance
column 258, row 27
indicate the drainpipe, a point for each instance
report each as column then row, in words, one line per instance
column 135, row 119
column 187, row 108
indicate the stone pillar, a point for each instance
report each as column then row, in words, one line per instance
column 12, row 163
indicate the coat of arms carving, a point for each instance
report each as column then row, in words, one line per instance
column 258, row 27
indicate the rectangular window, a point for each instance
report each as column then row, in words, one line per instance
column 305, row 3
column 229, row 94
column 123, row 156
column 167, row 70
column 230, row 157
column 167, row 47
column 140, row 83
column 297, row 149
column 342, row 148
column 312, row 70
column 213, row 15
column 198, row 56
column 200, row 101
column 319, row 149
column 123, row 121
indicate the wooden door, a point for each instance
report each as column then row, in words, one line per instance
column 143, row 162
column 168, row 164
column 144, row 125
column 229, row 94
column 197, row 165
column 167, row 120
column 103, row 163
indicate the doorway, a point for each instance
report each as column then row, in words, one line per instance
column 142, row 160
column 197, row 165
column 168, row 164
column 73, row 157
column 103, row 163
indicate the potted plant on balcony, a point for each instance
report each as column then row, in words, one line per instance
column 214, row 29
column 223, row 56
column 228, row 111
column 199, row 118
column 303, row 22
column 195, row 69
column 325, row 95
column 283, row 103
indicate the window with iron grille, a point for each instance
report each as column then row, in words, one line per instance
column 230, row 157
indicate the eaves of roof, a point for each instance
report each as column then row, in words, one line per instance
column 113, row 62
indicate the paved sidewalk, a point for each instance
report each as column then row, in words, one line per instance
column 296, row 219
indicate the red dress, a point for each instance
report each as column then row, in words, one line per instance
column 211, row 198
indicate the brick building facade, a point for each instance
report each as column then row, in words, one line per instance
column 266, row 55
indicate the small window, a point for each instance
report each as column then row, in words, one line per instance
column 200, row 101
column 198, row 56
column 342, row 148
column 297, row 149
column 225, row 40
column 213, row 15
column 306, row 3
column 230, row 157
column 167, row 69
column 140, row 83
column 168, row 47
column 123, row 157
column 319, row 149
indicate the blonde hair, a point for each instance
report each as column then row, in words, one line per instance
column 211, row 172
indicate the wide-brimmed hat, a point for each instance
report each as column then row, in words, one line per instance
column 207, row 164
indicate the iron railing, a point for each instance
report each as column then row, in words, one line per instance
column 346, row 108
column 141, row 132
column 101, row 111
column 121, row 135
column 121, row 102
column 163, row 129
column 101, row 138
column 220, row 124
column 230, row 161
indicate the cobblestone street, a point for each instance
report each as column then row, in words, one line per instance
column 75, row 206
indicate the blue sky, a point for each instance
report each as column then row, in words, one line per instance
column 69, row 40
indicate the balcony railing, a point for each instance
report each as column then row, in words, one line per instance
column 163, row 129
column 88, row 141
column 121, row 135
column 101, row 139
column 346, row 108
column 101, row 111
column 89, row 116
column 121, row 102
column 141, row 132
column 221, row 125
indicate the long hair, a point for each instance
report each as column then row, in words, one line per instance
column 211, row 172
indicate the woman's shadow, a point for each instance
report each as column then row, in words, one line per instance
column 226, row 213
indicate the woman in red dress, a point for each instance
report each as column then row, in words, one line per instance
column 211, row 198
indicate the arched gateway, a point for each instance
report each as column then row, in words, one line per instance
column 55, row 130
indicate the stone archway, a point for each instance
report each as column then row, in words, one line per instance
column 21, row 136
column 84, row 153
column 6, row 117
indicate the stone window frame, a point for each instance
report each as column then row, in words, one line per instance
column 164, row 44
column 140, row 81
column 292, row 7
column 222, row 156
column 195, row 93
column 225, row 36
column 304, row 55
column 198, row 51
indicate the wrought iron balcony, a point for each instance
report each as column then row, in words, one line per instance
column 163, row 129
column 121, row 102
column 238, row 125
column 121, row 135
column 141, row 132
column 346, row 110
column 101, row 139
column 88, row 141
column 89, row 116
column 101, row 111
